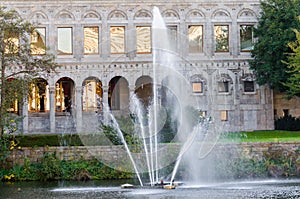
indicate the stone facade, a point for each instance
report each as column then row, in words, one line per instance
column 245, row 110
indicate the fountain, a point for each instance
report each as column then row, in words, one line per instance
column 171, row 98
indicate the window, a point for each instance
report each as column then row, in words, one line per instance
column 92, row 95
column 203, row 113
column 91, row 40
column 223, row 86
column 38, row 99
column 197, row 87
column 38, row 41
column 221, row 38
column 11, row 40
column 63, row 94
column 117, row 39
column 246, row 37
column 64, row 40
column 172, row 34
column 224, row 115
column 195, row 39
column 248, row 86
column 286, row 112
column 143, row 39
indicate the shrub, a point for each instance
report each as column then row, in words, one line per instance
column 287, row 122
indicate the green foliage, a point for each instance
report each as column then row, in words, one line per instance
column 294, row 68
column 274, row 32
column 110, row 133
column 282, row 163
column 127, row 128
column 240, row 168
column 51, row 168
column 168, row 132
column 288, row 123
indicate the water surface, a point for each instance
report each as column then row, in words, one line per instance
column 111, row 189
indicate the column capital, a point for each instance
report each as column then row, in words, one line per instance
column 78, row 89
column 105, row 88
column 51, row 89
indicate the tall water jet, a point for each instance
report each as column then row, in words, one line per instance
column 136, row 109
column 172, row 96
column 167, row 65
column 117, row 128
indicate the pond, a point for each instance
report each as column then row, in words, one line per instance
column 111, row 189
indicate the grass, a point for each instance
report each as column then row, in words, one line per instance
column 262, row 136
column 99, row 139
column 60, row 140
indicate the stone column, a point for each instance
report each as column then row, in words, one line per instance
column 131, row 91
column 237, row 94
column 25, row 114
column 105, row 96
column 78, row 105
column 52, row 109
column 234, row 41
column 105, row 30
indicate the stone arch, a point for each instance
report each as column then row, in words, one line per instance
column 64, row 15
column 38, row 16
column 170, row 14
column 64, row 94
column 118, row 93
column 144, row 89
column 221, row 14
column 195, row 14
column 39, row 96
column 117, row 15
column 246, row 15
column 143, row 14
column 91, row 15
column 92, row 94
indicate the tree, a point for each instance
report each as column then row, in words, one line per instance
column 293, row 64
column 273, row 33
column 18, row 65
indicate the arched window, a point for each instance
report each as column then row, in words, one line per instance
column 92, row 94
column 64, row 89
column 118, row 93
column 38, row 100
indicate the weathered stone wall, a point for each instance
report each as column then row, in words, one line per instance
column 281, row 104
column 117, row 154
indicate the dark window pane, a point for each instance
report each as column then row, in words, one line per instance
column 248, row 86
column 246, row 37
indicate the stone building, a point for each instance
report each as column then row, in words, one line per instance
column 104, row 49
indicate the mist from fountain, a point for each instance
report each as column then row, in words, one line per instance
column 169, row 80
column 120, row 134
column 136, row 109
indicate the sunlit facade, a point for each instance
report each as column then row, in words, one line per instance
column 105, row 52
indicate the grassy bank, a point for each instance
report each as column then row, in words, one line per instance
column 101, row 139
column 262, row 136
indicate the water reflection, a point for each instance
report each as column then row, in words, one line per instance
column 111, row 189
